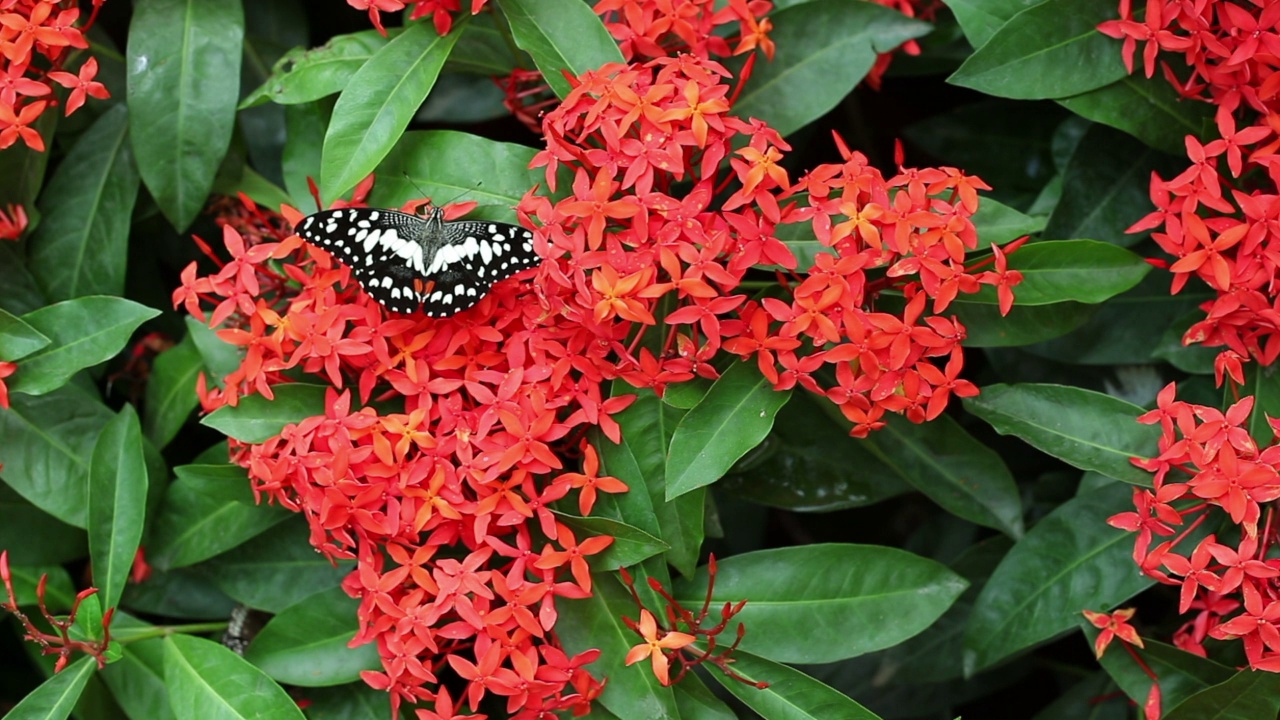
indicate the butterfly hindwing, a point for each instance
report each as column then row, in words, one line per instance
column 411, row 264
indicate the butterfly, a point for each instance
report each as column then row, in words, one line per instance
column 410, row 263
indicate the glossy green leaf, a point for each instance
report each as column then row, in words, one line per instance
column 33, row 536
column 171, row 391
column 258, row 189
column 84, row 332
column 1149, row 109
column 209, row 509
column 57, row 696
column 596, row 622
column 303, row 75
column 453, row 166
column 306, row 644
column 560, row 35
column 82, row 244
column 184, row 81
column 824, row 49
column 207, row 681
column 117, row 503
column 1195, row 358
column 48, row 444
column 59, row 592
column 18, row 339
column 1248, row 695
column 137, row 678
column 1181, row 673
column 19, row 292
column 696, row 702
column 1105, row 189
column 810, row 464
column 1050, row 50
column 1083, row 428
column 1057, row 271
column 801, row 600
column 952, row 468
column 791, row 694
column 275, row 569
column 22, row 169
column 256, row 419
column 305, row 126
column 980, row 19
column 377, row 104
column 1025, row 324
column 630, row 544
column 733, row 417
column 355, row 701
column 220, row 357
column 998, row 223
column 182, row 593
column 1068, row 562
column 483, row 50
column 640, row 462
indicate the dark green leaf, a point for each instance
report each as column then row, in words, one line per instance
column 449, row 165
column 1093, row 698
column 355, row 701
column 791, row 694
column 1086, row 429
column 1057, row 271
column 256, row 419
column 630, row 545
column 207, row 681
column 824, row 49
column 306, row 644
column 209, row 509
column 304, row 130
column 560, row 35
column 980, row 19
column 184, row 80
column 48, row 444
column 59, row 592
column 182, row 593
column 22, row 169
column 84, row 331
column 34, row 537
column 1195, row 358
column 171, row 391
column 733, row 417
column 82, row 245
column 596, row 622
column 1149, row 109
column 376, row 106
column 117, row 503
column 1263, row 384
column 1068, row 562
column 998, row 224
column 275, row 569
column 18, row 290
column 696, row 702
column 302, row 75
column 221, row 358
column 259, row 189
column 1249, row 695
column 1181, row 673
column 1051, row 50
column 18, row 339
column 137, row 678
column 57, row 696
column 799, row 599
column 483, row 50
column 1025, row 324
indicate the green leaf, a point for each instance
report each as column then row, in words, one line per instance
column 57, row 696
column 18, row 290
column 207, row 681
column 801, row 600
column 824, row 49
column 791, row 694
column 84, row 332
column 1025, row 324
column 696, row 702
column 171, row 391
column 596, row 622
column 356, row 701
column 1068, row 562
column 449, row 165
column 378, row 103
column 303, row 75
column 1083, row 428
column 560, row 35
column 952, row 468
column 22, row 169
column 182, row 593
column 1050, row 50
column 275, row 569
column 1057, row 271
column 1149, row 109
column 59, row 592
column 306, row 644
column 484, row 51
column 1105, row 189
column 48, row 444
column 256, row 419
column 18, row 339
column 117, row 504
column 305, row 126
column 220, row 357
column 1093, row 698
column 34, row 537
column 1195, row 358
column 259, row 189
column 1249, row 695
column 980, row 19
column 137, row 678
column 1181, row 673
column 1262, row 382
column 998, row 223
column 630, row 546
column 208, row 510
column 82, row 244
column 184, row 80
column 733, row 417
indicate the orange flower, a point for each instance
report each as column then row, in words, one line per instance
column 653, row 646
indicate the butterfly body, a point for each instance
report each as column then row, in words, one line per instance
column 411, row 264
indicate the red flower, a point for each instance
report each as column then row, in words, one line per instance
column 1114, row 625
column 82, row 84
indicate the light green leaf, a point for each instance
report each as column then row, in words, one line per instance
column 117, row 504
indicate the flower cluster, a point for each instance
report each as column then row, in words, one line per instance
column 1208, row 467
column 665, row 28
column 1217, row 227
column 657, row 220
column 34, row 37
column 441, row 11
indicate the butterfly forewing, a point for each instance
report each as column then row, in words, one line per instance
column 412, row 264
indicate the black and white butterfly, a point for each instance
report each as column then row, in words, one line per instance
column 410, row 263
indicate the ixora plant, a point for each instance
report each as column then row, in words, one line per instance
column 645, row 359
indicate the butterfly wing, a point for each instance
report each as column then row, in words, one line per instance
column 472, row 256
